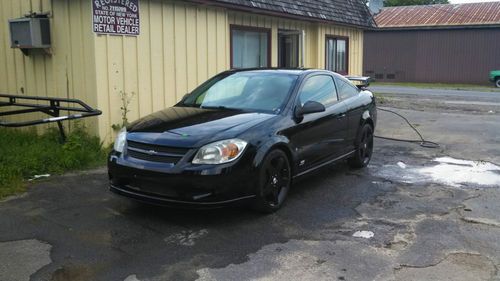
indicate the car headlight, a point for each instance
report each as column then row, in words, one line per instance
column 120, row 140
column 220, row 152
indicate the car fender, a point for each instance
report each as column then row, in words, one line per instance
column 366, row 117
column 278, row 141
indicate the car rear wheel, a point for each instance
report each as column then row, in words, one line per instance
column 364, row 148
column 497, row 82
column 274, row 182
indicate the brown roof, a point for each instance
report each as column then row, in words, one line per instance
column 485, row 13
column 348, row 12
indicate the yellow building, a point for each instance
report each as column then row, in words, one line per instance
column 158, row 50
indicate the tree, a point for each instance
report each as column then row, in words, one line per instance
column 390, row 3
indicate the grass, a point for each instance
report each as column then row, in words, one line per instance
column 24, row 154
column 381, row 100
column 439, row 86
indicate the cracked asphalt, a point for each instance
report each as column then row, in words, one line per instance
column 71, row 228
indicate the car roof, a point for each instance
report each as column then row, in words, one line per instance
column 292, row 71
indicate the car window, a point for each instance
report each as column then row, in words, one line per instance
column 346, row 89
column 320, row 88
column 231, row 87
column 252, row 91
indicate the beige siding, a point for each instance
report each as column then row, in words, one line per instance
column 180, row 46
column 68, row 72
column 355, row 46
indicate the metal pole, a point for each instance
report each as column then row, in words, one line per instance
column 61, row 131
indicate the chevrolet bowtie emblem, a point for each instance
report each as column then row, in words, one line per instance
column 152, row 152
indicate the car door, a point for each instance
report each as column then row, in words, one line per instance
column 319, row 137
column 349, row 95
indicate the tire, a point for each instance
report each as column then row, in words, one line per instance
column 364, row 148
column 274, row 182
column 497, row 82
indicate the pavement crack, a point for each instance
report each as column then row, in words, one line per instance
column 401, row 266
column 480, row 221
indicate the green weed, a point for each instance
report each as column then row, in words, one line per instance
column 24, row 154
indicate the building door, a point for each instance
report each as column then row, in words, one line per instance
column 288, row 48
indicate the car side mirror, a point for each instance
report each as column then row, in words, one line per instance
column 308, row 108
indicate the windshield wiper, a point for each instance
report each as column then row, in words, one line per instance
column 216, row 107
column 189, row 105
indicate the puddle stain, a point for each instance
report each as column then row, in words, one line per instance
column 449, row 171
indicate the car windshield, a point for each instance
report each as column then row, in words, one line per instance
column 251, row 91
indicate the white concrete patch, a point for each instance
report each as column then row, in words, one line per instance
column 402, row 165
column 132, row 277
column 363, row 234
column 456, row 172
column 20, row 259
column 186, row 238
column 448, row 171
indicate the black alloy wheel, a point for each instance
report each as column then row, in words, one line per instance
column 274, row 182
column 364, row 148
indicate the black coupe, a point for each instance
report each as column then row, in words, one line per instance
column 244, row 135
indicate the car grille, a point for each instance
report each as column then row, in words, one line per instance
column 155, row 153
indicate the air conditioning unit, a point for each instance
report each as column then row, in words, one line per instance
column 30, row 33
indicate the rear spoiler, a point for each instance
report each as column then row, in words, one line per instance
column 360, row 81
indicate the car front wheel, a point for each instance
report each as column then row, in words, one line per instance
column 274, row 182
column 364, row 148
column 497, row 82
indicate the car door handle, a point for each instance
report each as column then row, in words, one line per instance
column 340, row 116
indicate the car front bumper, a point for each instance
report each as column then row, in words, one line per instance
column 190, row 186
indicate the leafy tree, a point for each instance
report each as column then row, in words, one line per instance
column 390, row 3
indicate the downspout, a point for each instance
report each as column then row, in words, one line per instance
column 303, row 43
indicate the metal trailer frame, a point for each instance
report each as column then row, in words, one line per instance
column 48, row 105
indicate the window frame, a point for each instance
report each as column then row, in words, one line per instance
column 338, row 37
column 234, row 27
column 303, row 82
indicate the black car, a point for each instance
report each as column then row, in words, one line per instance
column 244, row 135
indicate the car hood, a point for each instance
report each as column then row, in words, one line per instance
column 192, row 127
